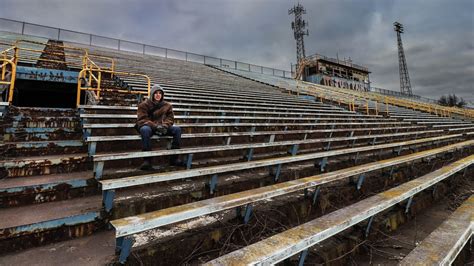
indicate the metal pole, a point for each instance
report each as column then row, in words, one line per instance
column 186, row 55
column 144, row 49
column 23, row 28
column 59, row 33
column 235, row 64
column 90, row 40
column 220, row 61
column 166, row 53
column 119, row 45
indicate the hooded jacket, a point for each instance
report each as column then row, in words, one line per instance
column 153, row 113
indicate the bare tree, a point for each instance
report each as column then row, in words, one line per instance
column 452, row 100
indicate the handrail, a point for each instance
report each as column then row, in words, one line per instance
column 86, row 52
column 112, row 61
column 8, row 61
column 75, row 52
column 87, row 74
column 426, row 107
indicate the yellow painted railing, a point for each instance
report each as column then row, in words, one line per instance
column 91, row 77
column 32, row 51
column 8, row 70
column 384, row 100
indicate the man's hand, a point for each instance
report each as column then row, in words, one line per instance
column 161, row 130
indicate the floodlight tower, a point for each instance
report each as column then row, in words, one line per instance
column 405, row 86
column 298, row 27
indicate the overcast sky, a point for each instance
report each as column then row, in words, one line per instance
column 438, row 38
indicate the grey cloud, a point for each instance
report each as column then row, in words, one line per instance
column 438, row 38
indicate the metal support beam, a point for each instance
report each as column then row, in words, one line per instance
column 369, row 224
column 108, row 199
column 249, row 154
column 123, row 247
column 189, row 161
column 302, row 258
column 271, row 138
column 356, row 159
column 322, row 163
column 213, row 184
column 328, row 146
column 293, row 150
column 92, row 148
column 373, row 141
column 247, row 213
column 276, row 175
column 98, row 169
column 316, row 195
column 87, row 133
column 399, row 150
column 407, row 208
column 360, row 181
column 391, row 171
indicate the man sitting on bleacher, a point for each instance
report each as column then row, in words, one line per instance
column 155, row 116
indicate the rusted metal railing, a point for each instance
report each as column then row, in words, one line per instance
column 8, row 70
column 92, row 76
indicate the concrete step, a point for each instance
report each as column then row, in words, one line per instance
column 36, row 148
column 42, row 165
column 96, row 249
column 47, row 122
column 34, row 225
column 13, row 134
column 27, row 190
column 41, row 111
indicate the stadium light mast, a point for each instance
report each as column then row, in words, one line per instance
column 298, row 27
column 405, row 86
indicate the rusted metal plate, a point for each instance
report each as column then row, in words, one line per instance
column 443, row 245
column 281, row 246
column 51, row 75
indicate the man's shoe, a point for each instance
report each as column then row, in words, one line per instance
column 146, row 165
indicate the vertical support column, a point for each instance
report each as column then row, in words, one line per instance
column 323, row 163
column 213, row 184
column 302, row 258
column 277, row 172
column 189, row 161
column 92, row 148
column 360, row 181
column 108, row 199
column 316, row 193
column 123, row 247
column 407, row 209
column 369, row 224
column 98, row 169
column 293, row 150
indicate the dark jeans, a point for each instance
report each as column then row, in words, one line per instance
column 146, row 132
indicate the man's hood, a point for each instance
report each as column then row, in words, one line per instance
column 157, row 88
